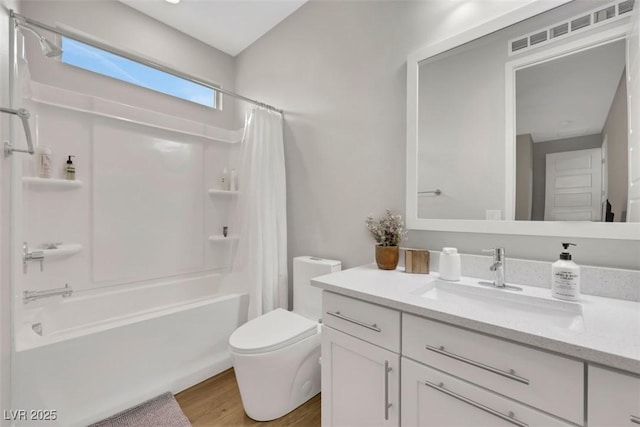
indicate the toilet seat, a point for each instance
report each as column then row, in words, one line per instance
column 277, row 329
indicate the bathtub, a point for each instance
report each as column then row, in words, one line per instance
column 89, row 356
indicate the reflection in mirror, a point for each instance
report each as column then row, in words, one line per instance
column 571, row 123
column 568, row 155
column 461, row 132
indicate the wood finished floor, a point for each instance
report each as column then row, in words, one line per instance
column 216, row 402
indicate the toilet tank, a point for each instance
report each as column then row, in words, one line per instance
column 307, row 299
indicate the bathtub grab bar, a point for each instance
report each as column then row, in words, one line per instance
column 29, row 296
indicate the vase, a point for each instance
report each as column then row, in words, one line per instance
column 387, row 257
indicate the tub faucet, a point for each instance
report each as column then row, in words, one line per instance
column 31, row 256
column 497, row 266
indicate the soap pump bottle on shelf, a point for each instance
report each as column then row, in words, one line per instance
column 70, row 169
column 43, row 153
column 565, row 276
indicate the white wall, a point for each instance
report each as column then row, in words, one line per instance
column 457, row 139
column 524, row 176
column 618, row 152
column 339, row 71
column 5, row 284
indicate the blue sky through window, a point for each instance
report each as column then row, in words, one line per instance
column 102, row 62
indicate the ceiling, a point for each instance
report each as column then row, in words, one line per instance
column 228, row 25
column 570, row 96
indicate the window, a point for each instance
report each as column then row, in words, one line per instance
column 99, row 61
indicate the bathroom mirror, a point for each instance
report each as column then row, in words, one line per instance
column 519, row 126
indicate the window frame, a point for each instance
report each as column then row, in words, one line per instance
column 154, row 65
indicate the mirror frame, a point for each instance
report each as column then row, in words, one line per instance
column 608, row 230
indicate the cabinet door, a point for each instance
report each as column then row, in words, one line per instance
column 360, row 382
column 613, row 399
column 431, row 398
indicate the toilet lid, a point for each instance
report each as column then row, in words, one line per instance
column 276, row 329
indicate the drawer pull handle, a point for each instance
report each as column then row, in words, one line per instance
column 509, row 417
column 634, row 419
column 511, row 374
column 337, row 314
column 387, row 405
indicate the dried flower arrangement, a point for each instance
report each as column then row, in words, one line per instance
column 388, row 230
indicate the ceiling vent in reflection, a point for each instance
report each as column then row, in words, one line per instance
column 559, row 30
column 538, row 38
column 519, row 44
column 578, row 23
column 625, row 6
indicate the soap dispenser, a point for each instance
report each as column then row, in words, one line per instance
column 449, row 267
column 70, row 169
column 565, row 276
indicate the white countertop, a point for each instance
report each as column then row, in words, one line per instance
column 609, row 334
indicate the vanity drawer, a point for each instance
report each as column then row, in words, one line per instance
column 433, row 398
column 370, row 322
column 613, row 398
column 546, row 381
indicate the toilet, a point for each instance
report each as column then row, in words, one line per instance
column 276, row 357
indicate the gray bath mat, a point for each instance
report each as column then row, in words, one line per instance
column 161, row 411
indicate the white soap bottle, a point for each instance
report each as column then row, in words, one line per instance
column 565, row 276
column 449, row 264
column 43, row 155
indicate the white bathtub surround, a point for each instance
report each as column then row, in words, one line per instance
column 261, row 223
column 599, row 281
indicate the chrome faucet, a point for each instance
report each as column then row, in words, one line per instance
column 497, row 266
column 31, row 256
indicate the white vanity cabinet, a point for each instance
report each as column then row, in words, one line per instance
column 613, row 398
column 360, row 378
column 386, row 367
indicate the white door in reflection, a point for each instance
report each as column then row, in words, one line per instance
column 574, row 186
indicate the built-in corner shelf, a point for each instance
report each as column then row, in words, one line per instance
column 214, row 191
column 65, row 249
column 221, row 238
column 51, row 183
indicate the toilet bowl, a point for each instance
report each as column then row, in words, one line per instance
column 276, row 357
column 276, row 361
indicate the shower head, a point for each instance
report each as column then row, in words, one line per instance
column 49, row 49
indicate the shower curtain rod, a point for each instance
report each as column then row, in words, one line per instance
column 116, row 51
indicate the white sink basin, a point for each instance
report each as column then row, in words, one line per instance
column 511, row 305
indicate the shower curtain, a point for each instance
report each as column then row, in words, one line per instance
column 261, row 257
